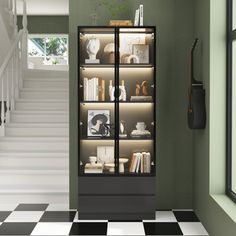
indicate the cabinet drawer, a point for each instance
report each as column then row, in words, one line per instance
column 116, row 204
column 117, row 185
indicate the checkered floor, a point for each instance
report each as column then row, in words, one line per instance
column 53, row 219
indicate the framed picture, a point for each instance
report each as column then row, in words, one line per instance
column 98, row 123
column 142, row 52
column 128, row 40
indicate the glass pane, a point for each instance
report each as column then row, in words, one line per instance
column 97, row 157
column 36, row 47
column 136, row 133
column 96, row 47
column 234, row 119
column 136, row 47
column 56, row 46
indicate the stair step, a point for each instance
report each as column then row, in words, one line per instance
column 35, row 180
column 34, row 160
column 39, row 116
column 55, row 144
column 37, row 129
column 46, row 83
column 41, row 105
column 44, row 94
column 41, row 74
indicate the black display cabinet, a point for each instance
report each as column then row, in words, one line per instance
column 117, row 122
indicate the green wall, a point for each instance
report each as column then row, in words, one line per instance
column 215, row 210
column 174, row 21
column 46, row 24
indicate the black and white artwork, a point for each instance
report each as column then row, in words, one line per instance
column 142, row 52
column 98, row 123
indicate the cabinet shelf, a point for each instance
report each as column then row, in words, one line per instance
column 113, row 65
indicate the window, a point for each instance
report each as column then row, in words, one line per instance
column 231, row 100
column 48, row 49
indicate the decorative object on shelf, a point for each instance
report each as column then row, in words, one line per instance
column 141, row 15
column 140, row 131
column 92, row 48
column 132, row 59
column 111, row 91
column 96, row 168
column 109, row 49
column 123, row 133
column 144, row 88
column 136, row 18
column 105, row 154
column 120, row 23
column 126, row 44
column 140, row 162
column 97, row 123
column 142, row 52
column 141, row 93
column 122, row 96
column 110, row 167
column 93, row 159
column 122, row 161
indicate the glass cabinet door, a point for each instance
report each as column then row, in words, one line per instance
column 96, row 108
column 136, row 101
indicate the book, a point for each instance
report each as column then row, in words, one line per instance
column 93, row 168
column 136, row 18
column 141, row 98
column 101, row 90
column 141, row 15
column 120, row 23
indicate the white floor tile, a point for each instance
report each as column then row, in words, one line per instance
column 163, row 216
column 60, row 228
column 125, row 228
column 92, row 221
column 8, row 207
column 24, row 216
column 192, row 228
column 58, row 207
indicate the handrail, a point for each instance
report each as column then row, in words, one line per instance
column 10, row 53
column 11, row 70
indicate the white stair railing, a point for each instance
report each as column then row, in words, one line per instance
column 11, row 72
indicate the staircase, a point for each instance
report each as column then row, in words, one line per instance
column 34, row 156
column 34, row 137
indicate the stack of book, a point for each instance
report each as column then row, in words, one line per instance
column 94, row 89
column 140, row 162
column 93, row 168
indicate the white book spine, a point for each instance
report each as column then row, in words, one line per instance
column 138, row 162
column 89, row 90
column 136, row 19
column 148, row 161
column 141, row 15
column 85, row 89
column 135, row 163
column 97, row 88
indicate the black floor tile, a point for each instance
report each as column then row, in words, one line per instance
column 31, row 207
column 162, row 229
column 4, row 215
column 89, row 229
column 16, row 228
column 58, row 216
column 186, row 216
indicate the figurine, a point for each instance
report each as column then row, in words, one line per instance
column 123, row 133
column 122, row 96
column 110, row 50
column 144, row 88
column 137, row 90
column 92, row 47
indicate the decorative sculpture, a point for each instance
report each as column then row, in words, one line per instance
column 92, row 48
column 122, row 96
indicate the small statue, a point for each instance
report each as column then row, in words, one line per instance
column 137, row 90
column 144, row 88
column 122, row 96
column 92, row 48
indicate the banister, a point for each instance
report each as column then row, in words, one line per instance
column 10, row 53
